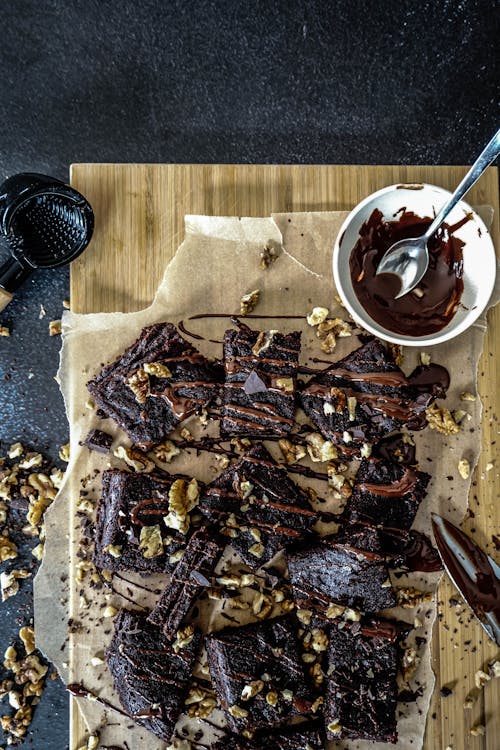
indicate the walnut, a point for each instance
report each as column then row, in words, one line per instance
column 9, row 582
column 263, row 342
column 177, row 744
column 308, row 658
column 27, row 635
column 320, row 449
column 317, row 703
column 339, row 399
column 157, row 369
column 138, row 382
column 15, row 450
column 244, row 489
column 397, row 353
column 366, row 450
column 4, row 331
column 176, row 556
column 249, row 302
column 317, row 316
column 425, row 359
column 290, row 451
column 8, row 550
column 441, row 419
column 238, row 712
column 137, row 460
column 29, row 669
column 54, row 327
column 31, row 461
column 182, row 498
column 464, row 468
column 467, row 396
column 334, row 727
column 478, row 730
column 331, row 329
column 183, row 638
column 494, row 668
column 257, row 550
column 151, row 541
column 223, row 461
column 285, row 384
column 410, row 597
column 287, row 695
column 261, row 606
column 18, row 724
column 38, row 551
column 250, row 690
column 481, row 678
column 115, row 550
column 269, row 254
column 409, row 663
column 319, row 640
column 304, row 615
column 166, row 451
column 334, row 610
column 64, row 452
column 110, row 611
column 272, row 698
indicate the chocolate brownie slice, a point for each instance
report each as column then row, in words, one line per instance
column 361, row 688
column 338, row 573
column 261, row 373
column 258, row 674
column 366, row 395
column 151, row 675
column 386, row 496
column 302, row 737
column 131, row 528
column 259, row 507
column 155, row 384
column 189, row 577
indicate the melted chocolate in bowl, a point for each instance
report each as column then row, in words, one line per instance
column 432, row 304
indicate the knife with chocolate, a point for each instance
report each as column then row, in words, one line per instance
column 475, row 574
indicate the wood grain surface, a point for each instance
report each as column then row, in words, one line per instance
column 139, row 212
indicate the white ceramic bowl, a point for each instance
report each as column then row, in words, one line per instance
column 478, row 253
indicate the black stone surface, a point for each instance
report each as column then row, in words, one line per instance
column 309, row 81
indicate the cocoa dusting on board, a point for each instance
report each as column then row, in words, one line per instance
column 432, row 304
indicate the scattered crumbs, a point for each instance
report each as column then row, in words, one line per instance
column 54, row 327
column 4, row 331
column 249, row 302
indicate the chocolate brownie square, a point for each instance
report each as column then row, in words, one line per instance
column 365, row 396
column 338, row 573
column 131, row 526
column 156, row 383
column 189, row 577
column 302, row 737
column 261, row 374
column 262, row 510
column 385, row 496
column 151, row 675
column 361, row 687
column 258, row 674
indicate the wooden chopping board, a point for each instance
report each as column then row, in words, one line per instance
column 140, row 212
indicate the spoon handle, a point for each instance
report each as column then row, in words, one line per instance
column 489, row 154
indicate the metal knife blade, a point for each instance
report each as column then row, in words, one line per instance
column 475, row 574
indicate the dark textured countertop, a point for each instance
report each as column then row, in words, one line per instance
column 306, row 82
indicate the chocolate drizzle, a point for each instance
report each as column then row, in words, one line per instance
column 431, row 306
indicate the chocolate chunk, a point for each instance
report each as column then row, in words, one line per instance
column 198, row 562
column 155, row 384
column 260, row 506
column 98, row 440
column 259, row 391
column 150, row 677
column 336, row 573
column 239, row 659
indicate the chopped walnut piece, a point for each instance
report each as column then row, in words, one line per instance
column 55, row 327
column 351, row 406
column 110, row 611
column 257, row 550
column 182, row 498
column 263, row 342
column 64, row 452
column 425, row 359
column 441, row 419
column 478, row 730
column 18, row 724
column 238, row 712
column 9, row 582
column 166, row 451
column 157, row 369
column 251, row 690
column 249, row 302
column 135, row 459
column 4, row 331
column 319, row 641
column 410, row 597
column 494, row 668
column 272, row 698
column 290, row 451
column 464, row 468
column 138, row 382
column 8, row 550
column 409, row 663
column 320, row 449
column 15, row 450
column 151, row 541
column 27, row 635
column 183, row 638
column 397, row 353
column 331, row 329
column 467, row 396
column 481, row 678
column 115, row 550
column 317, row 316
column 285, row 384
column 334, row 727
column 269, row 255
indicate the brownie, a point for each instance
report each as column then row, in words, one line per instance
column 301, row 737
column 263, row 510
column 150, row 674
column 259, row 389
column 365, row 396
column 189, row 577
column 131, row 532
column 156, row 383
column 98, row 440
column 386, row 495
column 361, row 688
column 338, row 573
column 262, row 661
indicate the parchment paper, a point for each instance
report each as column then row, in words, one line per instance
column 216, row 264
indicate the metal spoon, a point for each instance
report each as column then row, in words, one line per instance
column 408, row 259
